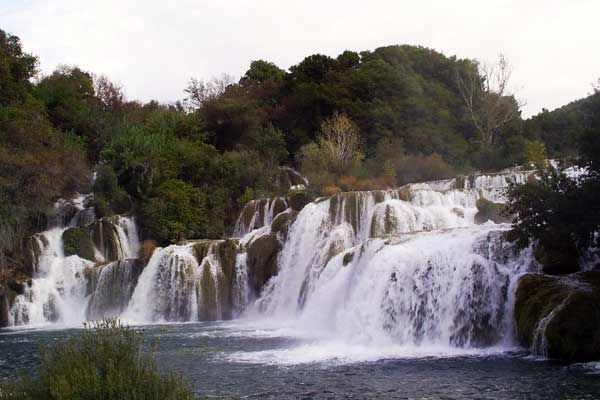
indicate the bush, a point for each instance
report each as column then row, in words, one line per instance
column 175, row 211
column 411, row 169
column 109, row 196
column 105, row 362
column 78, row 241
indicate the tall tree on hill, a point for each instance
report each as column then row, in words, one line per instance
column 489, row 100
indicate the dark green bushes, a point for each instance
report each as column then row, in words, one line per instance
column 559, row 212
column 174, row 211
column 105, row 362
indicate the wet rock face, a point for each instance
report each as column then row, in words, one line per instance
column 490, row 211
column 4, row 307
column 215, row 289
column 77, row 241
column 282, row 222
column 106, row 238
column 262, row 260
column 559, row 317
column 258, row 213
column 34, row 245
column 297, row 199
column 112, row 287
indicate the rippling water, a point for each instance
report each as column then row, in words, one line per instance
column 242, row 360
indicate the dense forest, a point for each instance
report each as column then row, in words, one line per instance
column 187, row 168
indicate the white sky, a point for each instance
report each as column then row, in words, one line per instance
column 153, row 47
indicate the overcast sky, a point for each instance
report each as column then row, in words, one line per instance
column 153, row 47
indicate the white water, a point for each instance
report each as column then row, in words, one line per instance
column 58, row 289
column 398, row 270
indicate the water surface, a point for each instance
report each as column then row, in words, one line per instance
column 243, row 360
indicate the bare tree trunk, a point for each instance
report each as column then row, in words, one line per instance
column 484, row 89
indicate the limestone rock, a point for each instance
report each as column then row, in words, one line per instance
column 559, row 317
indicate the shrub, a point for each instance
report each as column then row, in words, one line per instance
column 109, row 196
column 105, row 362
column 410, row 169
column 175, row 211
column 78, row 241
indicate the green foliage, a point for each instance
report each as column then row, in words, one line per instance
column 224, row 144
column 246, row 197
column 535, row 154
column 261, row 71
column 175, row 211
column 417, row 168
column 109, row 196
column 389, row 171
column 38, row 163
column 16, row 70
column 78, row 241
column 104, row 362
column 561, row 212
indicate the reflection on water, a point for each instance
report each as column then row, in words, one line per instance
column 238, row 359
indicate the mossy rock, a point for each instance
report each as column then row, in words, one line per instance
column 106, row 238
column 386, row 223
column 77, row 241
column 215, row 292
column 282, row 222
column 557, row 254
column 297, row 199
column 4, row 307
column 207, row 295
column 34, row 246
column 279, row 206
column 488, row 210
column 348, row 257
column 404, row 193
column 573, row 332
column 201, row 249
column 262, row 260
column 227, row 251
column 459, row 182
column 379, row 196
column 146, row 251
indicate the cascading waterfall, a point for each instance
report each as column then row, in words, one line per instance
column 403, row 266
column 258, row 213
column 58, row 289
column 69, row 289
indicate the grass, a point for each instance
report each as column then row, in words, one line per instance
column 105, row 362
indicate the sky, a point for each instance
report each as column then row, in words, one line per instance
column 152, row 48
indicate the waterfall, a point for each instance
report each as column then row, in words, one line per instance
column 445, row 288
column 57, row 291
column 112, row 287
column 258, row 213
column 69, row 289
column 201, row 280
column 405, row 266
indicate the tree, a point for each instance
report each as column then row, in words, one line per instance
column 108, row 93
column 535, row 154
column 261, row 71
column 340, row 138
column 175, row 211
column 486, row 94
column 200, row 91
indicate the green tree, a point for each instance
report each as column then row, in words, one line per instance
column 535, row 154
column 175, row 211
column 261, row 71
